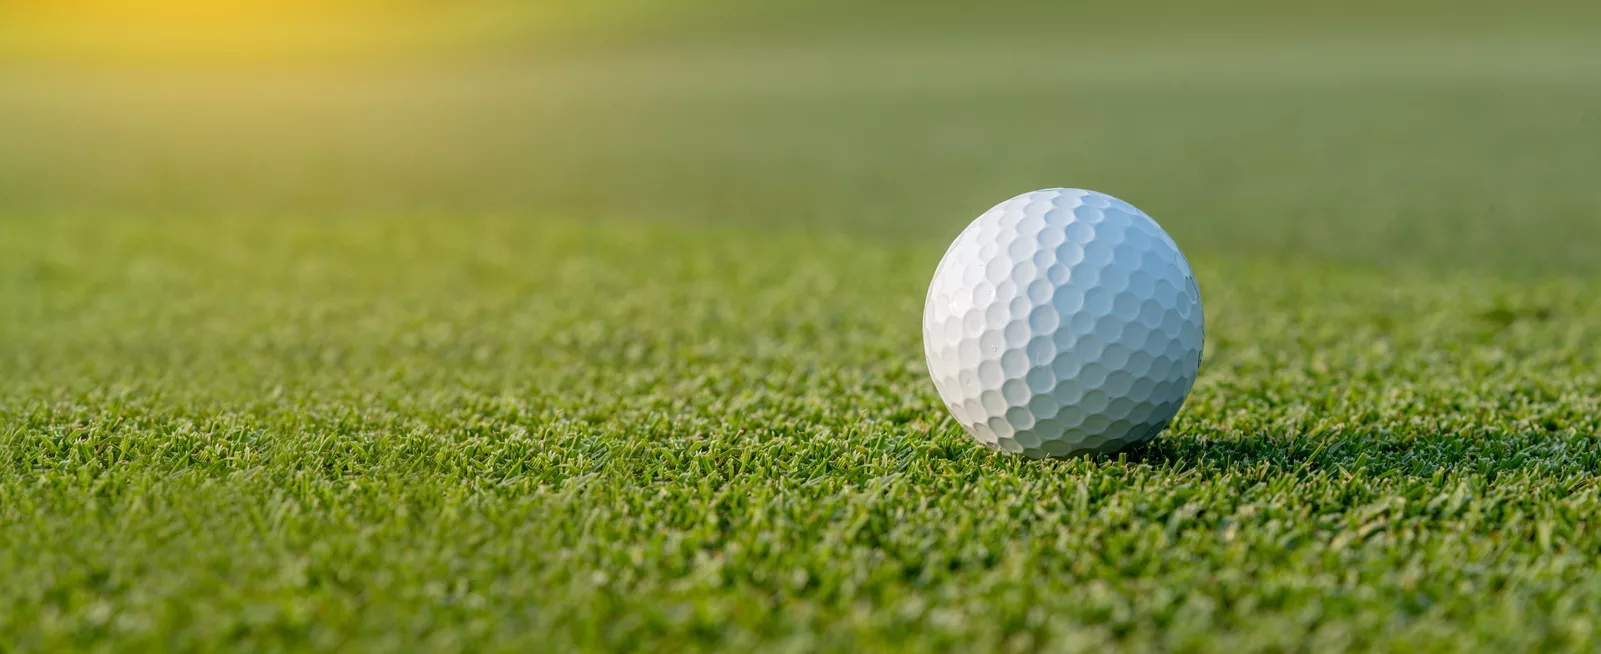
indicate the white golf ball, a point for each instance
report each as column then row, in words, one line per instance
column 1063, row 322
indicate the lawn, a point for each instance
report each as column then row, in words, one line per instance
column 620, row 350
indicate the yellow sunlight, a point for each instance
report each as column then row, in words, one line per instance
column 223, row 30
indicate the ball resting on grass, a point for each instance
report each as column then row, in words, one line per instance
column 1063, row 322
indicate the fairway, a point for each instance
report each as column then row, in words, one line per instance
column 620, row 350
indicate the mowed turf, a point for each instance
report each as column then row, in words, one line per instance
column 625, row 354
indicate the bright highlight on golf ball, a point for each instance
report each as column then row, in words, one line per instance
column 1063, row 322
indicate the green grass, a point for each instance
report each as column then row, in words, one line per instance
column 622, row 352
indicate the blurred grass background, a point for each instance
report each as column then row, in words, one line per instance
column 1370, row 131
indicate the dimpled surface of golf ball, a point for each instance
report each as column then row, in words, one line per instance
column 1063, row 322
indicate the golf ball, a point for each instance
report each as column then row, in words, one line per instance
column 1063, row 322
